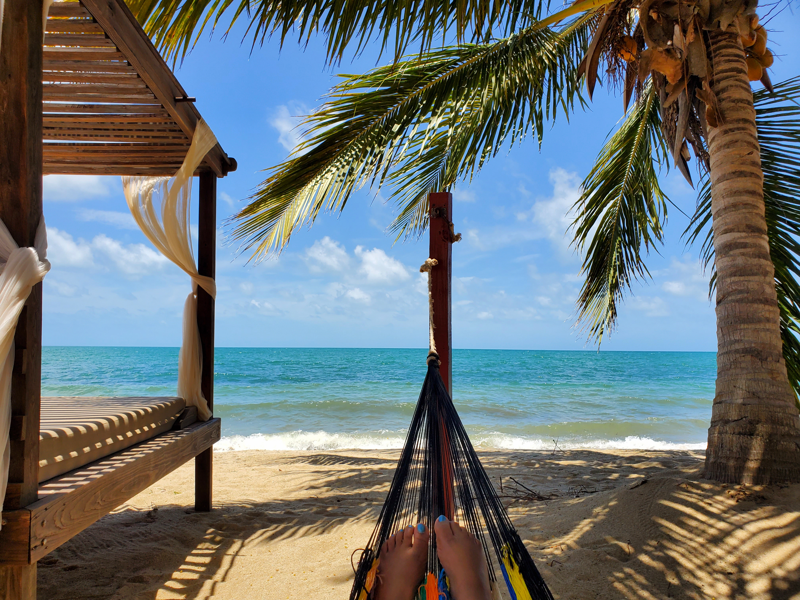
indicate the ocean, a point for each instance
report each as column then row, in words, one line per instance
column 327, row 398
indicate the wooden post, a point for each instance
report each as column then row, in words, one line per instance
column 441, row 248
column 206, row 265
column 21, row 210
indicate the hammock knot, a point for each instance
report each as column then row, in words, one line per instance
column 433, row 359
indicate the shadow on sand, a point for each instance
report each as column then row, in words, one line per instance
column 605, row 535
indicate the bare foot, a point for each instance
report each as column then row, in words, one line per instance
column 462, row 558
column 404, row 557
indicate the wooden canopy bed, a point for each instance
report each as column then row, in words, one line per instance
column 96, row 98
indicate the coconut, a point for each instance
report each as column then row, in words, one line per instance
column 760, row 45
column 754, row 68
column 749, row 38
column 766, row 59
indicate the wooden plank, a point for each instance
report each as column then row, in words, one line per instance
column 71, row 10
column 110, row 54
column 121, row 79
column 57, row 107
column 18, row 583
column 89, row 98
column 72, row 502
column 144, row 119
column 88, row 66
column 77, row 40
column 50, row 135
column 74, row 26
column 122, row 28
column 115, row 151
column 441, row 248
column 206, row 265
column 109, row 90
column 143, row 126
column 15, row 537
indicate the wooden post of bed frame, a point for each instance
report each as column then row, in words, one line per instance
column 21, row 210
column 441, row 248
column 206, row 265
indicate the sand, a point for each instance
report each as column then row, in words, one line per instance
column 618, row 524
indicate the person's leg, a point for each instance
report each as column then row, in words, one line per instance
column 462, row 558
column 404, row 557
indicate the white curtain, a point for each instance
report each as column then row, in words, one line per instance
column 168, row 230
column 20, row 270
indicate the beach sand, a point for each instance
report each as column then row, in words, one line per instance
column 618, row 524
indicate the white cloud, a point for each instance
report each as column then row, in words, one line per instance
column 286, row 120
column 650, row 306
column 358, row 295
column 121, row 220
column 327, row 255
column 548, row 218
column 465, row 195
column 64, row 251
column 133, row 259
column 379, row 268
column 686, row 279
column 72, row 188
column 226, row 198
column 485, row 315
column 246, row 287
column 554, row 215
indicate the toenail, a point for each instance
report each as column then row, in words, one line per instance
column 421, row 528
column 442, row 518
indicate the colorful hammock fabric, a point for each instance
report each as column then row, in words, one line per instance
column 439, row 473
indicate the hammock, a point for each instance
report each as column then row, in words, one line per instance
column 439, row 473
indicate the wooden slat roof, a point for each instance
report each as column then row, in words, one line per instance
column 111, row 104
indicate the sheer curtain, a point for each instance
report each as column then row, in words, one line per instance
column 20, row 270
column 168, row 230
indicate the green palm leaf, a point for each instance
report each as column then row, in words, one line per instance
column 176, row 25
column 778, row 122
column 620, row 214
column 420, row 124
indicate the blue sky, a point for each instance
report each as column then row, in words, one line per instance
column 344, row 282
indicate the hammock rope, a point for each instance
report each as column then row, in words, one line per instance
column 439, row 473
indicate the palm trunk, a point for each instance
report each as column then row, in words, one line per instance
column 755, row 427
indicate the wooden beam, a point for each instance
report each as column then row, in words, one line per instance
column 18, row 583
column 206, row 265
column 125, row 32
column 21, row 210
column 71, row 502
column 441, row 248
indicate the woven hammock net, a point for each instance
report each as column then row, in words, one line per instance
column 439, row 473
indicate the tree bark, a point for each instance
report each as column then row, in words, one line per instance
column 755, row 427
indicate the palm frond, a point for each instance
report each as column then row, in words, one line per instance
column 778, row 124
column 420, row 124
column 176, row 25
column 620, row 214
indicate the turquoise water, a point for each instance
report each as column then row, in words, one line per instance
column 320, row 398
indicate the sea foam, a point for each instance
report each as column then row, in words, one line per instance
column 322, row 440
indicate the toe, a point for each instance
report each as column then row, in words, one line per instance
column 385, row 547
column 421, row 535
column 442, row 528
column 408, row 536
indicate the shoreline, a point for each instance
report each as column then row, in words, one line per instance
column 286, row 522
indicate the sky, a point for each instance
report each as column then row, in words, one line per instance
column 345, row 282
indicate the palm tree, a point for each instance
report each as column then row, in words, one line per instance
column 425, row 121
